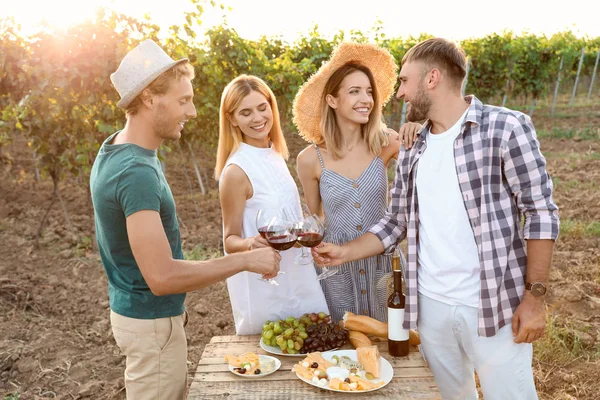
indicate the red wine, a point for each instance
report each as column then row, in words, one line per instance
column 263, row 231
column 310, row 239
column 397, row 335
column 281, row 242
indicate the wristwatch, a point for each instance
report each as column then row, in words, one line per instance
column 537, row 289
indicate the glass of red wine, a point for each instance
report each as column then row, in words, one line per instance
column 281, row 233
column 310, row 239
column 310, row 232
column 266, row 220
column 263, row 219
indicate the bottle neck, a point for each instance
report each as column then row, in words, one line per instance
column 398, row 281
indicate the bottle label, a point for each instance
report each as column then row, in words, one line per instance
column 395, row 320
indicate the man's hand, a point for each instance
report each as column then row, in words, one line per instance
column 409, row 133
column 329, row 255
column 264, row 261
column 529, row 319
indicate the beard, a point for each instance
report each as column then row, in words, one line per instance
column 419, row 106
column 164, row 127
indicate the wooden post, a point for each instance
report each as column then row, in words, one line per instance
column 196, row 169
column 35, row 165
column 189, row 182
column 464, row 86
column 532, row 107
column 505, row 98
column 577, row 77
column 403, row 116
column 557, row 84
column 594, row 74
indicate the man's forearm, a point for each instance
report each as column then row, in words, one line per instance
column 186, row 276
column 364, row 246
column 539, row 259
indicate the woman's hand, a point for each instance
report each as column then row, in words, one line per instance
column 409, row 133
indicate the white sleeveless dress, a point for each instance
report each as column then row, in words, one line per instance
column 253, row 302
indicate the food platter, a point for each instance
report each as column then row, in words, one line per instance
column 277, row 351
column 387, row 372
column 267, row 364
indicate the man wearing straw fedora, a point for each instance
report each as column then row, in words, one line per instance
column 137, row 229
column 474, row 200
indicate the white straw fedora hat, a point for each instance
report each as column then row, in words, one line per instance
column 146, row 62
column 307, row 103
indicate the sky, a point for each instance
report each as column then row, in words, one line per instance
column 453, row 19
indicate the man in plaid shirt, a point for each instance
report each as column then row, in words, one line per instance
column 474, row 200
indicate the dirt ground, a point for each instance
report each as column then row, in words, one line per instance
column 55, row 338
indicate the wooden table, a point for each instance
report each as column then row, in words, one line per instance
column 412, row 378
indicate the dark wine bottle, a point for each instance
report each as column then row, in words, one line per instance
column 397, row 335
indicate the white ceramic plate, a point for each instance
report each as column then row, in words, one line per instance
column 261, row 359
column 387, row 372
column 277, row 351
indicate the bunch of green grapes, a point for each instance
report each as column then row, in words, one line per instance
column 289, row 334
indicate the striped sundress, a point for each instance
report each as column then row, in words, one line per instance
column 351, row 207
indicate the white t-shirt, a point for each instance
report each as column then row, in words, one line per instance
column 447, row 253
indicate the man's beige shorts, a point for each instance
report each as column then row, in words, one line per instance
column 156, row 351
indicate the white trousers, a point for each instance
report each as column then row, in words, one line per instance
column 454, row 350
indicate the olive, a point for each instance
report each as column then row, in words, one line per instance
column 242, row 370
column 347, row 380
column 314, row 365
column 257, row 371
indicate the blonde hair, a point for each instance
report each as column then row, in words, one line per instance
column 230, row 136
column 161, row 84
column 373, row 132
column 443, row 54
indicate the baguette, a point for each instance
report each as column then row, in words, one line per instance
column 365, row 324
column 358, row 339
column 371, row 326
column 414, row 339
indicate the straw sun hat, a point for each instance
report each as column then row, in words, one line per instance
column 139, row 68
column 307, row 104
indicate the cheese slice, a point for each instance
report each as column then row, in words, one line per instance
column 369, row 358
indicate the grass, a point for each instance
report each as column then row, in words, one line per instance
column 201, row 253
column 590, row 132
column 579, row 229
column 562, row 343
column 567, row 185
column 572, row 156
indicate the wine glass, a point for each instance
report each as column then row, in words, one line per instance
column 312, row 236
column 281, row 232
column 326, row 272
column 310, row 231
column 264, row 218
column 305, row 224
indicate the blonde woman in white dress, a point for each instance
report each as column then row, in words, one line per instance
column 253, row 175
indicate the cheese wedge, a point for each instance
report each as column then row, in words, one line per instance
column 369, row 358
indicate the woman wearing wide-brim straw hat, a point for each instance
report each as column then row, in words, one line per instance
column 344, row 170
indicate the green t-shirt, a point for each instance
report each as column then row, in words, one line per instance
column 125, row 179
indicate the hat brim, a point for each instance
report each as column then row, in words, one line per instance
column 142, row 84
column 307, row 103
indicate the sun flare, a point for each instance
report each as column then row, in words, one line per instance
column 57, row 13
